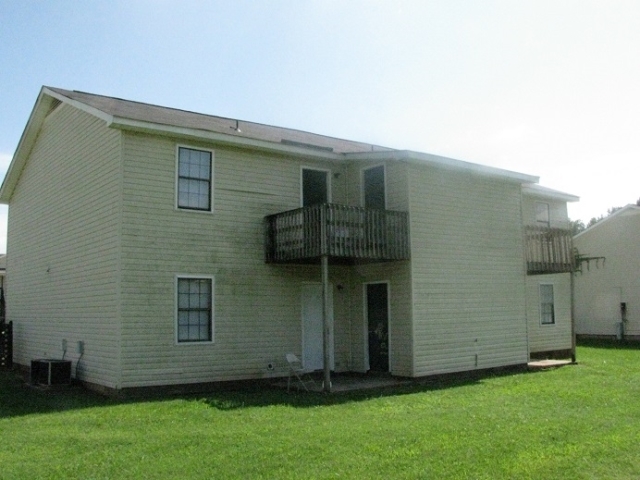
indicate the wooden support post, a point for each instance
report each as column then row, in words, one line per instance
column 326, row 324
column 573, row 316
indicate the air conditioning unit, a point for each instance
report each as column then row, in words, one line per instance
column 50, row 372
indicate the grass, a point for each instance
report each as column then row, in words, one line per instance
column 580, row 422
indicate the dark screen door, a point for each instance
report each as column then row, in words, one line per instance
column 314, row 187
column 378, row 326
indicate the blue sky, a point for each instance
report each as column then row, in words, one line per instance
column 546, row 88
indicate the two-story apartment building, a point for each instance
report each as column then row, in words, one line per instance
column 161, row 247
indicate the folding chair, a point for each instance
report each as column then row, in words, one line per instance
column 297, row 370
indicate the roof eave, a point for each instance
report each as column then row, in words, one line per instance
column 27, row 139
column 543, row 192
column 220, row 138
column 635, row 209
column 445, row 162
column 40, row 110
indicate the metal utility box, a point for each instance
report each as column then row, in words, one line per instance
column 50, row 372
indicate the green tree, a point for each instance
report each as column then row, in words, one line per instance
column 577, row 226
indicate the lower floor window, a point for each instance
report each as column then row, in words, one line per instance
column 547, row 310
column 195, row 312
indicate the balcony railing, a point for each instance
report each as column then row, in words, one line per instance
column 548, row 250
column 343, row 233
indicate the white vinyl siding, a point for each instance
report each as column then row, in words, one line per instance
column 257, row 306
column 467, row 269
column 63, row 247
column 549, row 337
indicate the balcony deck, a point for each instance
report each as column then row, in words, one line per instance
column 344, row 233
column 548, row 250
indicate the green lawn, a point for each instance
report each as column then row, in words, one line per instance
column 575, row 422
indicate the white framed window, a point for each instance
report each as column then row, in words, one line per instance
column 547, row 305
column 542, row 214
column 194, row 308
column 194, row 179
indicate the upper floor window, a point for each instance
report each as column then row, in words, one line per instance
column 542, row 213
column 195, row 173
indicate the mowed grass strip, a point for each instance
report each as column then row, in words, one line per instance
column 580, row 421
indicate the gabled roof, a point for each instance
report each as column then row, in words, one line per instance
column 128, row 114
column 627, row 210
column 143, row 117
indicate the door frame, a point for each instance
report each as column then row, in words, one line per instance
column 331, row 321
column 365, row 314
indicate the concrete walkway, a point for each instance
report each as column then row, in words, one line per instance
column 543, row 364
column 347, row 382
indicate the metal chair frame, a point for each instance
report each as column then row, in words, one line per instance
column 299, row 372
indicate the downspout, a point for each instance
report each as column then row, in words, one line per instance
column 523, row 235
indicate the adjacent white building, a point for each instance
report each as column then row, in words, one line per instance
column 607, row 288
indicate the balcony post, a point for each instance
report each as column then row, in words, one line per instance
column 326, row 325
column 573, row 314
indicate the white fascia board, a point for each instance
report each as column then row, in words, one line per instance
column 445, row 162
column 232, row 140
column 30, row 133
column 544, row 192
column 79, row 105
column 27, row 139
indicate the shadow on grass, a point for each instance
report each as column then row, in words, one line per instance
column 18, row 399
column 232, row 400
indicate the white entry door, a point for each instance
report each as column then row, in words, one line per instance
column 312, row 325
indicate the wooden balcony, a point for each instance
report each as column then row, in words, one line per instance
column 548, row 250
column 345, row 234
